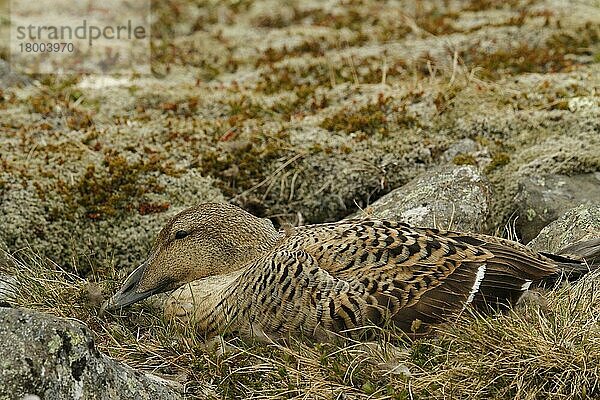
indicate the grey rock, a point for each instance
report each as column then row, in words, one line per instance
column 579, row 224
column 463, row 146
column 449, row 197
column 542, row 199
column 54, row 358
column 468, row 149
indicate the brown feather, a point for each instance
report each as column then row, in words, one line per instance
column 336, row 277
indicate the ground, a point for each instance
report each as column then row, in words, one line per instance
column 302, row 112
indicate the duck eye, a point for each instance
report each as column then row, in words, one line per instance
column 181, row 234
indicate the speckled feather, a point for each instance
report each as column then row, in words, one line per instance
column 340, row 277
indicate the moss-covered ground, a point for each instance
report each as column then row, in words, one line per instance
column 304, row 111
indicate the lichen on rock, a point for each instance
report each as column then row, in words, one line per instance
column 453, row 198
column 576, row 225
column 57, row 358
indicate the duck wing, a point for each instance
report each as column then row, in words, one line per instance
column 288, row 292
column 406, row 273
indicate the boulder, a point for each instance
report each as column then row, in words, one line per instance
column 578, row 224
column 42, row 356
column 542, row 199
column 448, row 197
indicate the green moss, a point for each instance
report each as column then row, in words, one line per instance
column 482, row 5
column 580, row 41
column 42, row 104
column 54, row 106
column 80, row 120
column 546, row 96
column 314, row 47
column 166, row 52
column 368, row 70
column 443, row 100
column 59, row 84
column 117, row 186
column 243, row 108
column 305, row 101
column 437, row 22
column 370, row 119
column 348, row 17
column 316, row 147
column 562, row 105
column 520, row 59
column 464, row 159
column 498, row 160
column 286, row 78
column 61, row 99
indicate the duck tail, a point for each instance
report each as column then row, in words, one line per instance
column 574, row 261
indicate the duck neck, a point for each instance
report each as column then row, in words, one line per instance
column 212, row 303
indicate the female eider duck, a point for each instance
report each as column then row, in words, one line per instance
column 236, row 272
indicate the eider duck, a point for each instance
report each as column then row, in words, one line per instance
column 232, row 271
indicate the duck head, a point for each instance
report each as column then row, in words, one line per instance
column 206, row 240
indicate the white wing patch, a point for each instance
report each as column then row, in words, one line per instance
column 475, row 289
column 526, row 285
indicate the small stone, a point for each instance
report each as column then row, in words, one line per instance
column 467, row 151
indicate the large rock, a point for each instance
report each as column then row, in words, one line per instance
column 578, row 224
column 56, row 359
column 449, row 197
column 543, row 199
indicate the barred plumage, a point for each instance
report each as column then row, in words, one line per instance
column 234, row 271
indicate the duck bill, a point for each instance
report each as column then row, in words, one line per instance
column 128, row 294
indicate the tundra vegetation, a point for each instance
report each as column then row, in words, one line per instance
column 306, row 112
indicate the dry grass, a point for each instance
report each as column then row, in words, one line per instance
column 547, row 347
